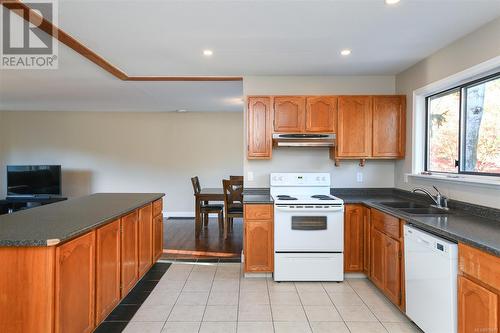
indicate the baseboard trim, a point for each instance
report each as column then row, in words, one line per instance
column 183, row 214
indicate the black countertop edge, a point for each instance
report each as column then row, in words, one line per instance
column 52, row 241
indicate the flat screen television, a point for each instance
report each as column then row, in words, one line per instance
column 33, row 180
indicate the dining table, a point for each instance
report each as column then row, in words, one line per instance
column 205, row 194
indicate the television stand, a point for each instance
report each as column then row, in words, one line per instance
column 13, row 204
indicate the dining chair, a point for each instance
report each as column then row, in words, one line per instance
column 206, row 207
column 239, row 178
column 233, row 203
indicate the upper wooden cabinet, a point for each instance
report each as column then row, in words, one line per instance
column 289, row 114
column 75, row 285
column 354, row 137
column 367, row 127
column 389, row 117
column 259, row 143
column 321, row 114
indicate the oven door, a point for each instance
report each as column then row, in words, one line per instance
column 308, row 229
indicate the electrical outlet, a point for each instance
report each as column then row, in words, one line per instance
column 250, row 176
column 359, row 177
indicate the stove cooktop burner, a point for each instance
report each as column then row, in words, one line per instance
column 286, row 197
column 322, row 197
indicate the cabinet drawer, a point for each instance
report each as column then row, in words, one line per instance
column 258, row 212
column 479, row 265
column 385, row 223
column 157, row 207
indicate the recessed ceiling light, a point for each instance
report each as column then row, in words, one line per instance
column 345, row 52
column 391, row 2
column 208, row 53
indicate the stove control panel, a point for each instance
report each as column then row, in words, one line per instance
column 300, row 179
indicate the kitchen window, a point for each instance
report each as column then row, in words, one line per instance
column 463, row 129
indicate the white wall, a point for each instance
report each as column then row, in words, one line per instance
column 128, row 151
column 375, row 173
column 471, row 50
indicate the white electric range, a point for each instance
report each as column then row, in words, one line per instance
column 308, row 228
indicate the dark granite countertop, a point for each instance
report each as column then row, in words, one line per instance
column 257, row 196
column 469, row 224
column 458, row 226
column 55, row 223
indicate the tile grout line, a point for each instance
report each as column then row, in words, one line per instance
column 177, row 298
column 240, row 275
column 335, row 306
column 209, row 292
column 367, row 306
column 270, row 303
column 302, row 305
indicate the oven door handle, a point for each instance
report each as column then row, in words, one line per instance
column 302, row 210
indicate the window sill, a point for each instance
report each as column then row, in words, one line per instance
column 482, row 181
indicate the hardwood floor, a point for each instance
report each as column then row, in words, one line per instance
column 180, row 242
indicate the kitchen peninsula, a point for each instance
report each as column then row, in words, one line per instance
column 65, row 266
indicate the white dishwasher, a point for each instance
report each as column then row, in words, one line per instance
column 431, row 265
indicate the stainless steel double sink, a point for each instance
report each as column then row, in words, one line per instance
column 414, row 208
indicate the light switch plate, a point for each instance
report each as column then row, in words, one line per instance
column 250, row 176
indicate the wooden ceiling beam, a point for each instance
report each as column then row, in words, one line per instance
column 48, row 27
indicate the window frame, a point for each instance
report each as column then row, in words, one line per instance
column 461, row 128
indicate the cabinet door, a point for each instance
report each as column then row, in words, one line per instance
column 107, row 269
column 289, row 114
column 353, row 238
column 321, row 114
column 389, row 126
column 392, row 270
column 477, row 308
column 259, row 128
column 74, row 285
column 377, row 252
column 366, row 241
column 145, row 238
column 157, row 237
column 259, row 249
column 354, row 126
column 129, row 242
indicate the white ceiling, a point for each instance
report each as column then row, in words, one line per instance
column 147, row 37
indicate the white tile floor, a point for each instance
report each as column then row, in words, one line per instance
column 206, row 297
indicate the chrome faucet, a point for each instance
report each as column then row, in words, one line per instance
column 440, row 200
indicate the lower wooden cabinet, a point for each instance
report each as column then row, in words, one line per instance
column 157, row 237
column 129, row 249
column 353, row 238
column 107, row 269
column 145, row 240
column 478, row 291
column 258, row 238
column 366, row 241
column 75, row 285
column 377, row 244
column 386, row 261
column 477, row 307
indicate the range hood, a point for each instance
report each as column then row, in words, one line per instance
column 304, row 140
